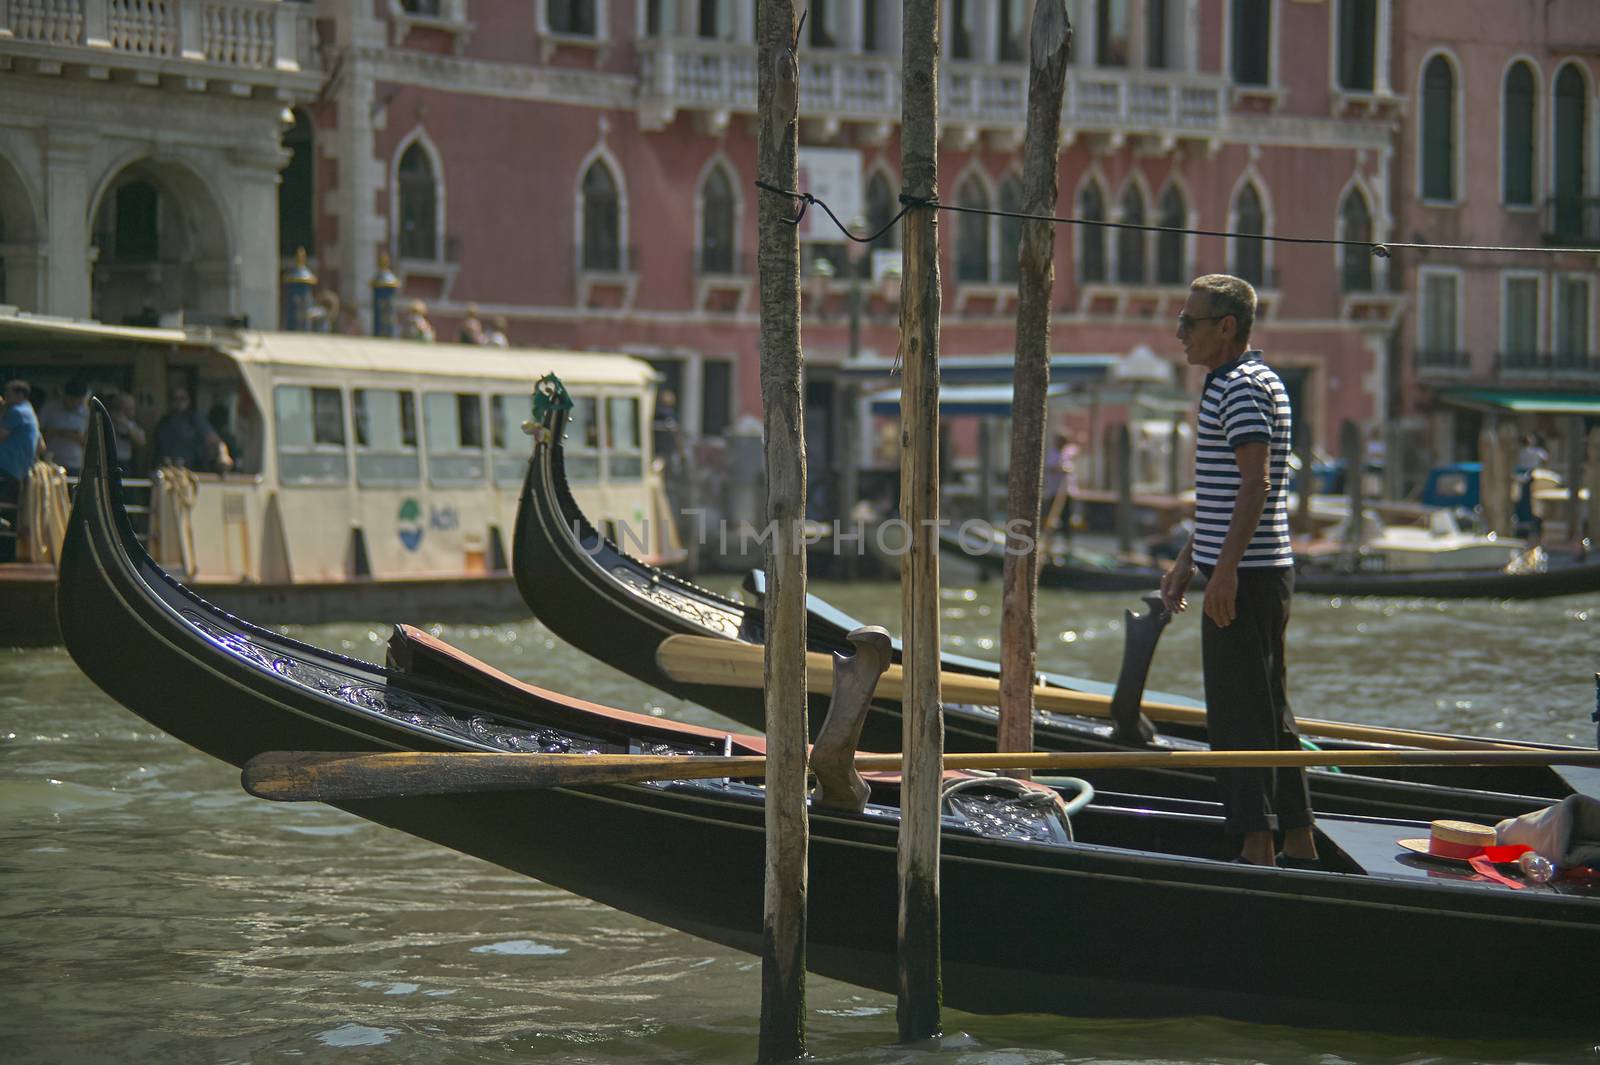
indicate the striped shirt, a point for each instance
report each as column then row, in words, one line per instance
column 1243, row 402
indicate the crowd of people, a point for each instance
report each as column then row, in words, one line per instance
column 56, row 431
column 414, row 325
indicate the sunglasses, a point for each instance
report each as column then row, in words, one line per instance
column 1187, row 322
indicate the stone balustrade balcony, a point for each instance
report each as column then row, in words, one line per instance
column 245, row 44
column 719, row 77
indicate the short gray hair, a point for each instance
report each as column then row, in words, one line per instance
column 1226, row 294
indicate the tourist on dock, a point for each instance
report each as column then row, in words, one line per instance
column 1533, row 455
column 1060, row 483
column 65, row 425
column 496, row 337
column 324, row 314
column 19, row 447
column 414, row 324
column 1241, row 544
column 129, row 434
column 472, row 327
column 183, row 438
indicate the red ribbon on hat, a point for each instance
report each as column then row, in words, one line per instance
column 1483, row 862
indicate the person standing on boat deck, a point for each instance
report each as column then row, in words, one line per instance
column 1241, row 544
column 129, row 433
column 184, row 438
column 65, row 425
column 19, row 446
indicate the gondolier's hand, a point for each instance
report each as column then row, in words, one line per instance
column 1222, row 593
column 1175, row 582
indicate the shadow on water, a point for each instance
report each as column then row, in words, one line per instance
column 149, row 910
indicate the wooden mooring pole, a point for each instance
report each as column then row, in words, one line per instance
column 783, row 955
column 1049, row 41
column 923, row 729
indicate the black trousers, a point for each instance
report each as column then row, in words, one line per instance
column 1247, row 704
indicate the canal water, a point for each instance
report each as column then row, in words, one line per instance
column 151, row 912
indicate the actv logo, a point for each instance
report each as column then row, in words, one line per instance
column 409, row 521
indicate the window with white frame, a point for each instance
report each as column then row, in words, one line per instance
column 714, row 20
column 1249, row 250
column 876, row 29
column 453, row 425
column 964, row 16
column 1011, row 30
column 1113, row 32
column 1519, row 317
column 581, row 444
column 1355, row 261
column 602, row 219
column 717, row 228
column 972, row 232
column 1571, row 156
column 1357, row 45
column 386, row 436
column 1438, row 340
column 1164, row 35
column 1438, row 132
column 310, row 435
column 1170, row 266
column 419, row 205
column 1251, row 42
column 1517, row 126
column 1091, row 238
column 575, row 18
column 1130, row 242
column 822, row 25
column 1574, row 315
column 1009, row 245
column 624, row 439
column 881, row 208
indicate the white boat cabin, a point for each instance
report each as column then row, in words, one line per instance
column 355, row 457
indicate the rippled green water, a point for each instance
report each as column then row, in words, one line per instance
column 150, row 911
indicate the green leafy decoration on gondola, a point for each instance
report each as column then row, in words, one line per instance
column 549, row 395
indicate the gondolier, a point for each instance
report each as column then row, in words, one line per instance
column 1241, row 544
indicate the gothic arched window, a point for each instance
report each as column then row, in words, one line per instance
column 419, row 205
column 718, row 239
column 602, row 219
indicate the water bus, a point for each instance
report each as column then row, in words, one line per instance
column 372, row 478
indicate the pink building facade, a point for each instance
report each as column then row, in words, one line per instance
column 1499, row 147
column 585, row 169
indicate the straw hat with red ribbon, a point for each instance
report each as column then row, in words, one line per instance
column 1461, row 841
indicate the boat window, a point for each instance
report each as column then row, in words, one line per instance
column 582, row 443
column 512, row 447
column 310, row 424
column 454, row 424
column 386, row 437
column 624, row 455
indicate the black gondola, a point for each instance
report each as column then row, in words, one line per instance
column 1120, row 911
column 584, row 588
column 1562, row 577
column 1087, row 572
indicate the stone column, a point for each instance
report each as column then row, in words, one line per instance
column 253, row 270
column 67, row 291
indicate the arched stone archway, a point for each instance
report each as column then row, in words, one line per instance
column 21, row 236
column 160, row 245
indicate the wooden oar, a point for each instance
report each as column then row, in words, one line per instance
column 300, row 776
column 713, row 660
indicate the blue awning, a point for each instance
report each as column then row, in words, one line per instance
column 961, row 399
